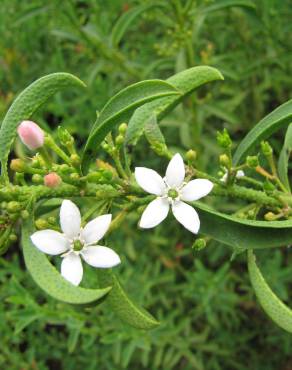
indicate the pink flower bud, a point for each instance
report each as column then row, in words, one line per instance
column 31, row 134
column 52, row 180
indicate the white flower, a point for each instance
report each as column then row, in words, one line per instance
column 238, row 175
column 171, row 191
column 76, row 242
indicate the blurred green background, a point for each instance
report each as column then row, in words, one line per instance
column 209, row 314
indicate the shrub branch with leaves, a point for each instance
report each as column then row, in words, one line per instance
column 59, row 174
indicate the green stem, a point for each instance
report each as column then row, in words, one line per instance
column 45, row 156
column 50, row 143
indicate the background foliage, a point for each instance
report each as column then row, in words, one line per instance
column 210, row 319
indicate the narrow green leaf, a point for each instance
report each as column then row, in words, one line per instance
column 120, row 108
column 243, row 234
column 284, row 158
column 154, row 136
column 123, row 306
column 271, row 304
column 125, row 21
column 49, row 279
column 223, row 4
column 277, row 119
column 185, row 82
column 27, row 103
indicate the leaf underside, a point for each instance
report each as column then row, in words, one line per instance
column 280, row 313
column 243, row 234
column 123, row 306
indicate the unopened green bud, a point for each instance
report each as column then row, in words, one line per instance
column 74, row 176
column 123, row 128
column 75, row 159
column 199, row 244
column 266, row 149
column 41, row 224
column 223, row 139
column 268, row 186
column 105, row 146
column 270, row 216
column 107, row 175
column 252, row 161
column 18, row 165
column 37, row 179
column 14, row 206
column 225, row 160
column 35, row 162
column 24, row 214
column 191, row 155
column 64, row 168
column 52, row 220
column 120, row 140
column 12, row 237
column 94, row 176
column 106, row 190
column 64, row 136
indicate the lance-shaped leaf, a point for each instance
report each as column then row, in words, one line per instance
column 27, row 103
column 122, row 305
column 125, row 21
column 271, row 304
column 120, row 108
column 243, row 234
column 279, row 118
column 49, row 279
column 223, row 4
column 185, row 82
column 284, row 158
column 154, row 136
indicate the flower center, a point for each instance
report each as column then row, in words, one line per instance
column 77, row 245
column 172, row 193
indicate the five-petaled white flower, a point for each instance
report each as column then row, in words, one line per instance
column 171, row 191
column 238, row 175
column 76, row 241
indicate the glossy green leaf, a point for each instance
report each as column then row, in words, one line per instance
column 120, row 108
column 122, row 305
column 223, row 4
column 277, row 119
column 243, row 234
column 27, row 103
column 185, row 82
column 49, row 279
column 271, row 304
column 284, row 158
column 125, row 21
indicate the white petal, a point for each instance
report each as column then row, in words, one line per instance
column 95, row 229
column 187, row 216
column 70, row 219
column 239, row 174
column 71, row 268
column 98, row 256
column 50, row 242
column 175, row 172
column 155, row 212
column 196, row 189
column 149, row 180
